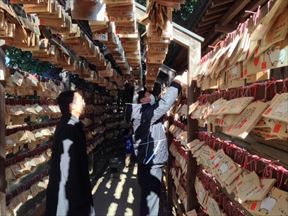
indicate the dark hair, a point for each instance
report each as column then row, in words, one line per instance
column 141, row 94
column 64, row 99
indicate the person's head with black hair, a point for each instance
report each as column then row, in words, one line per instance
column 71, row 102
column 145, row 97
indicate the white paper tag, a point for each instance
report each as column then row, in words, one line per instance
column 234, row 71
column 17, row 110
column 216, row 107
column 46, row 132
column 9, row 141
column 51, row 107
column 283, row 107
column 223, row 168
column 268, row 204
column 33, row 80
column 58, row 109
column 38, row 134
column 18, row 78
column 38, row 108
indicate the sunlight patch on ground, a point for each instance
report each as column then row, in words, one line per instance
column 128, row 212
column 130, row 198
column 119, row 187
column 112, row 209
column 135, row 170
column 125, row 169
column 108, row 184
column 97, row 185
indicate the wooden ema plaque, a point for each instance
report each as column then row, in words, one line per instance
column 118, row 2
column 23, row 40
column 130, row 42
column 245, row 122
column 277, row 32
column 98, row 27
column 275, row 203
column 87, row 10
column 234, row 106
column 171, row 3
column 47, row 9
column 126, row 29
column 26, row 2
column 109, row 73
column 278, row 110
column 53, row 54
column 152, row 71
column 158, row 47
column 7, row 30
column 120, row 13
column 155, row 58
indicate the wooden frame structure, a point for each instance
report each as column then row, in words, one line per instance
column 2, row 139
column 192, row 42
column 2, row 152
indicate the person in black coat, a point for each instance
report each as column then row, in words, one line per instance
column 69, row 188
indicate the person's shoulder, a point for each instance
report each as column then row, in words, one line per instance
column 133, row 105
column 69, row 125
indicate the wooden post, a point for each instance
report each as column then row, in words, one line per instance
column 2, row 152
column 193, row 93
column 169, row 176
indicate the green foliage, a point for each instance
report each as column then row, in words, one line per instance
column 185, row 10
column 24, row 61
column 142, row 2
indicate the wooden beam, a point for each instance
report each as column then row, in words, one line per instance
column 203, row 29
column 233, row 11
column 211, row 17
column 194, row 55
column 217, row 3
column 216, row 10
column 225, row 29
column 179, row 33
column 252, row 6
column 209, row 38
column 207, row 23
column 2, row 152
column 2, row 139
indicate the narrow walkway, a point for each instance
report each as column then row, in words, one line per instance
column 117, row 192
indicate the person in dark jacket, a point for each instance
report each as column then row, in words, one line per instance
column 69, row 188
column 150, row 144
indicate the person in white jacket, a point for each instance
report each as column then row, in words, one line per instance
column 150, row 143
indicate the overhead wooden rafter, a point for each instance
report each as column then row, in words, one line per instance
column 224, row 29
column 252, row 6
column 217, row 3
column 233, row 11
column 216, row 10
